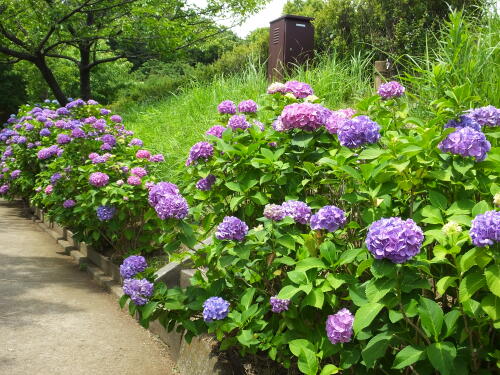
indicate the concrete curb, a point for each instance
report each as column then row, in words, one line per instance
column 197, row 358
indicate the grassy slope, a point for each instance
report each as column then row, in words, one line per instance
column 173, row 125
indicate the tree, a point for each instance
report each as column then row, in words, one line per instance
column 93, row 32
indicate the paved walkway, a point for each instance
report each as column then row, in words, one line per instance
column 55, row 320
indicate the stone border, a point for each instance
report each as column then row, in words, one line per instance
column 197, row 358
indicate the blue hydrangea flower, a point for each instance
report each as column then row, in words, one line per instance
column 297, row 210
column 139, row 291
column 466, row 142
column 330, row 218
column 485, row 229
column 132, row 265
column 462, row 122
column 279, row 305
column 231, row 228
column 105, row 213
column 215, row 308
column 358, row 131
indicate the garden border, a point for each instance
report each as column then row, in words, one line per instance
column 200, row 357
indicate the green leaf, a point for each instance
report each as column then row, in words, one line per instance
column 432, row 215
column 286, row 241
column 246, row 338
column 450, row 320
column 288, row 292
column 336, row 280
column 297, row 277
column 297, row 345
column 376, row 348
column 383, row 268
column 469, row 285
column 371, row 153
column 309, row 263
column 234, row 186
column 328, row 252
column 438, row 200
column 123, row 300
column 308, row 362
column 148, row 309
column 329, row 369
column 491, row 306
column 365, row 315
column 480, row 208
column 444, row 283
column 302, row 139
column 247, row 298
column 492, row 274
column 315, row 299
column 431, row 317
column 376, row 289
column 349, row 255
column 441, row 355
column 407, row 356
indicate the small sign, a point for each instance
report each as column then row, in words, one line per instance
column 300, row 25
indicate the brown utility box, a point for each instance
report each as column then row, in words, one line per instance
column 291, row 42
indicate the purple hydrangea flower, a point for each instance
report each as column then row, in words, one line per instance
column 337, row 118
column 99, row 179
column 158, row 158
column 276, row 87
column 279, row 305
column 462, row 122
column 104, row 111
column 134, row 180
column 299, row 89
column 485, row 229
column 93, row 155
column 330, row 218
column 105, row 213
column 78, row 133
column 466, row 142
column 143, row 154
column 139, row 291
column 206, row 183
column 486, row 116
column 68, row 203
column 201, row 150
column 62, row 111
column 48, row 152
column 139, row 171
column 15, row 174
column 132, row 265
column 391, row 90
column 231, row 228
column 4, row 189
column 63, row 139
column 274, row 212
column 297, row 210
column 227, row 107
column 339, row 326
column 247, row 106
column 215, row 308
column 160, row 190
column 171, row 206
column 90, row 120
column 109, row 139
column 358, row 131
column 106, row 147
column 99, row 125
column 306, row 116
column 28, row 127
column 92, row 102
column 136, row 142
column 238, row 122
column 216, row 131
column 259, row 124
column 116, row 118
column 394, row 239
column 55, row 177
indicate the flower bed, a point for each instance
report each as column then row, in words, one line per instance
column 359, row 239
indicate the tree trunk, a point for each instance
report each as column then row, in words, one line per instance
column 85, row 88
column 49, row 77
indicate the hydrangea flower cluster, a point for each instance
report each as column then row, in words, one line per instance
column 297, row 210
column 139, row 171
column 279, row 305
column 395, row 239
column 330, row 218
column 238, row 122
column 227, row 107
column 462, row 122
column 200, row 150
column 216, row 131
column 466, row 142
column 276, row 87
column 139, row 291
column 358, row 131
column 231, row 228
column 391, row 90
column 299, row 89
column 485, row 229
column 206, row 183
column 99, row 179
column 165, row 198
column 274, row 212
column 486, row 116
column 68, row 203
column 132, row 265
column 247, row 106
column 306, row 116
column 337, row 118
column 339, row 326
column 105, row 213
column 215, row 308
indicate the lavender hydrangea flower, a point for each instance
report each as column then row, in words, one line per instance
column 279, row 305
column 394, row 239
column 139, row 171
column 486, row 116
column 139, row 291
column 48, row 152
column 337, row 118
column 116, row 118
column 339, row 326
column 63, row 139
column 109, row 139
column 105, row 213
column 159, row 190
column 45, row 132
column 106, row 147
column 142, row 154
column 247, row 106
column 238, row 122
column 297, row 210
column 158, row 158
column 134, row 180
column 215, row 308
column 78, row 133
column 206, row 183
column 216, row 131
column 62, row 111
column 104, row 111
column 462, row 122
column 15, row 174
column 231, row 228
column 4, row 189
column 68, row 203
column 92, row 102
column 485, row 229
column 358, row 131
column 274, row 212
column 306, row 116
column 55, row 177
column 466, row 142
column 172, row 206
column 227, row 107
column 330, row 218
column 99, row 179
column 391, row 90
column 136, row 142
column 299, row 89
column 132, row 265
column 200, row 150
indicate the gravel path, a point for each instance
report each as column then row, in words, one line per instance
column 55, row 320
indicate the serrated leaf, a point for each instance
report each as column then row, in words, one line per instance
column 441, row 355
column 480, row 208
column 314, row 299
column 450, row 320
column 286, row 241
column 308, row 362
column 431, row 317
column 365, row 315
column 371, row 153
column 438, row 200
column 469, row 285
column 329, row 369
column 309, row 263
column 407, row 356
column 297, row 345
column 376, row 289
column 444, row 283
column 246, row 338
column 148, row 309
column 492, row 274
column 376, row 348
column 491, row 306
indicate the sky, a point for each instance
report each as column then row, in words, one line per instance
column 261, row 19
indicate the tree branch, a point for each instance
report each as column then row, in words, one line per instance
column 102, row 61
column 17, row 54
column 57, row 56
